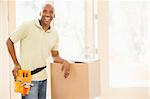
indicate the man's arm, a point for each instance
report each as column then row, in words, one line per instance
column 11, row 50
column 65, row 63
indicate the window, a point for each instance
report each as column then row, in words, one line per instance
column 129, row 44
column 70, row 24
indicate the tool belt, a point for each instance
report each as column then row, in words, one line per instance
column 23, row 80
column 37, row 70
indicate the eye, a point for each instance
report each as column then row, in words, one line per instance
column 51, row 12
column 44, row 11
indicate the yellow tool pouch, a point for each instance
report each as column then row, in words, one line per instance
column 23, row 82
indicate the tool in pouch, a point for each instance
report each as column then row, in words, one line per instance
column 24, row 79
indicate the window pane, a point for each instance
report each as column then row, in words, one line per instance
column 69, row 23
column 27, row 10
column 128, row 44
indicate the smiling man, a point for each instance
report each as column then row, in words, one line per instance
column 38, row 41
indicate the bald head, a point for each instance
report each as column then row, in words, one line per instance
column 47, row 13
column 47, row 5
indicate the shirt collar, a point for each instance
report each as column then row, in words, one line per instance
column 37, row 23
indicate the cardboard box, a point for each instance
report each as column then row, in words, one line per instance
column 82, row 83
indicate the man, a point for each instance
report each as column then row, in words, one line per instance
column 37, row 41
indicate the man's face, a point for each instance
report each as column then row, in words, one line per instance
column 47, row 14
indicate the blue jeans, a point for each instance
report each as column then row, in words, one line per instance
column 38, row 90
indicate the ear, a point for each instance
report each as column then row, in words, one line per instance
column 39, row 16
column 40, row 13
column 53, row 15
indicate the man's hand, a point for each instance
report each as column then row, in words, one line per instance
column 66, row 68
column 15, row 70
column 65, row 64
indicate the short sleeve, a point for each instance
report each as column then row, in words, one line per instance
column 56, row 46
column 19, row 34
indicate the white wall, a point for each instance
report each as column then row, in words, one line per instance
column 4, row 59
column 7, row 24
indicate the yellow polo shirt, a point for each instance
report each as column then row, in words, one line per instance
column 35, row 46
